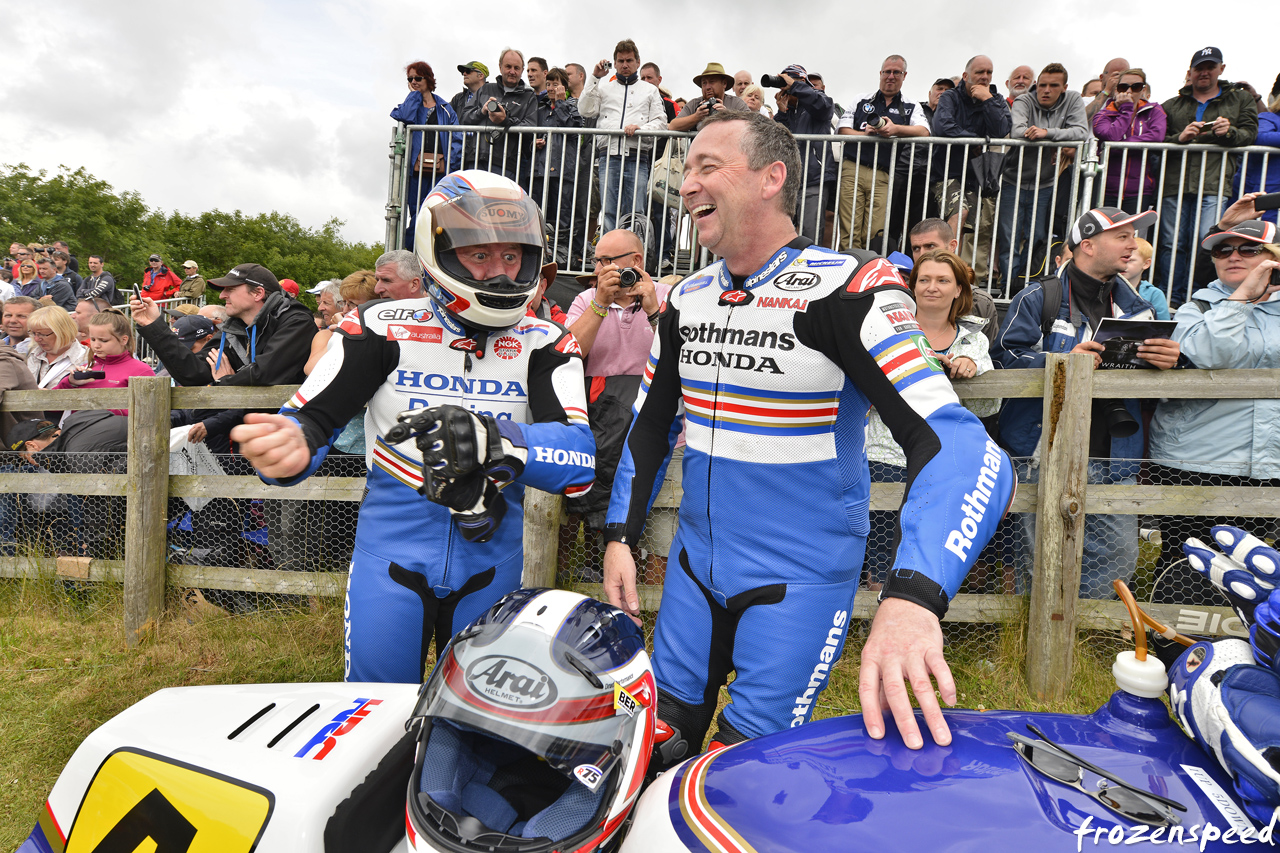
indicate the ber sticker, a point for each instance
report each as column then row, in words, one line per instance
column 507, row 347
column 624, row 701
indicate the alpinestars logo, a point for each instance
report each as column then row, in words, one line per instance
column 736, row 297
column 467, row 345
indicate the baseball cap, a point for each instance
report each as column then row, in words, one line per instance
column 255, row 274
column 182, row 310
column 474, row 65
column 1208, row 54
column 1094, row 222
column 24, row 431
column 796, row 71
column 186, row 265
column 289, row 286
column 153, row 258
column 315, row 291
column 1254, row 230
column 192, row 327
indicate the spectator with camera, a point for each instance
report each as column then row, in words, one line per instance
column 159, row 282
column 1088, row 289
column 804, row 109
column 1210, row 111
column 613, row 321
column 627, row 103
column 882, row 114
column 503, row 104
column 972, row 109
column 1050, row 113
column 714, row 83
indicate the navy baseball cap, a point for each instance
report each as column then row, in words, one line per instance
column 1208, row 54
column 192, row 328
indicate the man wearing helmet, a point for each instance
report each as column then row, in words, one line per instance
column 495, row 400
column 777, row 352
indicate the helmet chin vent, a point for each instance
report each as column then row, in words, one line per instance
column 502, row 303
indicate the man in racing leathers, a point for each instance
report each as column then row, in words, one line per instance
column 777, row 351
column 504, row 398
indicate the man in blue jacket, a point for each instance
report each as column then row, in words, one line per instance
column 1102, row 241
column 972, row 109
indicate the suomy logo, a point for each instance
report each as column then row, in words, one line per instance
column 502, row 213
column 511, row 682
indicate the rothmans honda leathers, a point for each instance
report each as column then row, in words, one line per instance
column 412, row 574
column 776, row 373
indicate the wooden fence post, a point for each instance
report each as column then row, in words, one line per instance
column 541, row 537
column 145, row 532
column 1055, row 581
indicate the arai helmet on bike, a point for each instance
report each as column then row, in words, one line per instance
column 535, row 729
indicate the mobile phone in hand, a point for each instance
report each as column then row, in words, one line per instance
column 137, row 294
column 1268, row 201
column 83, row 375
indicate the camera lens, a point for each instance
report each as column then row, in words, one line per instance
column 769, row 81
column 628, row 277
column 1120, row 424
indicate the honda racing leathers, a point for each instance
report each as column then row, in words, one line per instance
column 776, row 373
column 412, row 574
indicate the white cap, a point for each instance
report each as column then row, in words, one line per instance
column 1145, row 678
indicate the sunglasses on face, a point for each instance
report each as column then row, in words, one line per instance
column 1247, row 250
column 1061, row 765
column 1125, row 87
column 416, row 79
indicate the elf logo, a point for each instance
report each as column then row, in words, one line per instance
column 511, row 682
column 736, row 297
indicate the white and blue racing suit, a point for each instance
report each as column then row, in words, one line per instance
column 776, row 373
column 413, row 575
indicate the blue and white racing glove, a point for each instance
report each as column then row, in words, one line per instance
column 1231, row 707
column 1248, row 573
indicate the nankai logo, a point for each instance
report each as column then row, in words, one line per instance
column 736, row 297
column 421, row 315
column 507, row 347
column 503, row 214
column 782, row 302
column 344, row 722
column 418, row 334
column 465, row 344
column 793, row 281
column 877, row 273
column 511, row 682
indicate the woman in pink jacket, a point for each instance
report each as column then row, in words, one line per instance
column 111, row 340
column 1128, row 117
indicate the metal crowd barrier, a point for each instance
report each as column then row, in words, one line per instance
column 1017, row 198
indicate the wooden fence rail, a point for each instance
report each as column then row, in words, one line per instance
column 1060, row 501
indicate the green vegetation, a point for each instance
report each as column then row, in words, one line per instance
column 93, row 217
column 65, row 670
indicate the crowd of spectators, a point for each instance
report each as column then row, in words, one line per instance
column 1007, row 204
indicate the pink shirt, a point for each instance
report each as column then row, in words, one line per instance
column 622, row 345
column 118, row 369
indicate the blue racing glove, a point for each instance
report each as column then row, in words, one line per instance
column 1248, row 574
column 1231, row 707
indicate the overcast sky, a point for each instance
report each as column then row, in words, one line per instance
column 263, row 105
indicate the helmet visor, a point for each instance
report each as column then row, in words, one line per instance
column 520, row 689
column 494, row 215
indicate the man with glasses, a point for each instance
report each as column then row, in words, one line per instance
column 613, row 322
column 882, row 114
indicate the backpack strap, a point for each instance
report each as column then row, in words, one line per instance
column 1051, row 286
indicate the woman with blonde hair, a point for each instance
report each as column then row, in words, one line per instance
column 55, row 348
column 358, row 288
column 26, row 282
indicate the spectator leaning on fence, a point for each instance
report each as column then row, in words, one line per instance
column 100, row 284
column 1234, row 323
column 111, row 343
column 1101, row 241
column 972, row 109
column 930, row 235
column 1128, row 116
column 1207, row 111
column 1048, row 113
column 627, row 103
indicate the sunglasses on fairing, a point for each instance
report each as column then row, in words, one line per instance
column 1125, row 87
column 1246, row 250
column 1061, row 765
